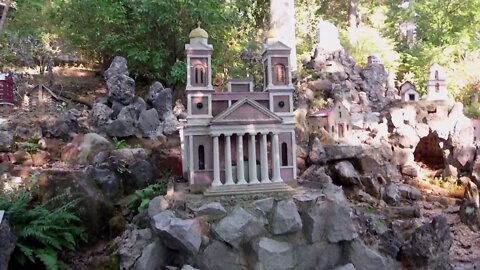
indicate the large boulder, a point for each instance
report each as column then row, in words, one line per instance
column 149, row 124
column 121, row 88
column 63, row 126
column 239, row 228
column 121, row 128
column 94, row 209
column 7, row 244
column 106, row 179
column 163, row 102
column 274, row 255
column 329, row 219
column 170, row 124
column 131, row 244
column 117, row 67
column 341, row 152
column 286, row 218
column 176, row 233
column 84, row 148
column 213, row 210
column 430, row 245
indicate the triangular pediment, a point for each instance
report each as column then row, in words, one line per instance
column 246, row 111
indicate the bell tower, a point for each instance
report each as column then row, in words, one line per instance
column 199, row 74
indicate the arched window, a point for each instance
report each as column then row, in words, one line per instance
column 199, row 74
column 436, row 75
column 280, row 74
column 333, row 130
column 437, row 87
column 284, row 154
column 201, row 157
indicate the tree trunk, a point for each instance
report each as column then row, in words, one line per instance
column 4, row 13
column 353, row 14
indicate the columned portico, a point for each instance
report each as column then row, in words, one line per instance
column 216, row 163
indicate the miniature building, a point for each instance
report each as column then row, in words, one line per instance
column 476, row 130
column 409, row 92
column 240, row 140
column 374, row 59
column 336, row 120
column 6, row 89
column 437, row 85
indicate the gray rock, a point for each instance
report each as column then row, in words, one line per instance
column 274, row 255
column 316, row 174
column 392, row 194
column 121, row 128
column 121, row 88
column 130, row 245
column 239, row 228
column 430, row 245
column 170, row 124
column 62, row 126
column 83, row 149
column 157, row 205
column 285, row 218
column 409, row 192
column 139, row 104
column 308, row 256
column 117, row 67
column 372, row 186
column 7, row 244
column 345, row 173
column 263, row 206
column 106, row 179
column 364, row 258
column 213, row 210
column 317, row 155
column 99, row 115
column 163, row 102
column 470, row 208
column 129, row 112
column 330, row 220
column 341, row 152
column 149, row 124
column 218, row 256
column 345, row 267
column 6, row 141
column 176, row 233
column 153, row 257
column 28, row 131
column 141, row 174
column 154, row 91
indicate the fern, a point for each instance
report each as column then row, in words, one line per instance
column 43, row 230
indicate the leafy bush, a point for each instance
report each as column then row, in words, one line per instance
column 43, row 230
column 120, row 144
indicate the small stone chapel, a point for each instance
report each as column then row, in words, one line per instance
column 238, row 141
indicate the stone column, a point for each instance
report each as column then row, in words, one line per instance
column 276, row 177
column 216, row 163
column 252, row 161
column 240, row 165
column 264, row 159
column 228, row 162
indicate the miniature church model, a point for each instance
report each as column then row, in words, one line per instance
column 437, row 86
column 409, row 92
column 239, row 141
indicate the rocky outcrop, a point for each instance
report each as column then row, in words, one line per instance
column 286, row 219
column 117, row 67
column 273, row 255
column 84, row 148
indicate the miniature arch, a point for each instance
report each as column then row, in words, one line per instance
column 280, row 73
column 199, row 74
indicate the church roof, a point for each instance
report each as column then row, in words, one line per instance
column 246, row 111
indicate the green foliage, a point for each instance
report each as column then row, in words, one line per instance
column 141, row 198
column 178, row 73
column 119, row 144
column 43, row 230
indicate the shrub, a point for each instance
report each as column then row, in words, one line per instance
column 141, row 198
column 43, row 230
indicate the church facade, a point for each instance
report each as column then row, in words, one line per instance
column 239, row 139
